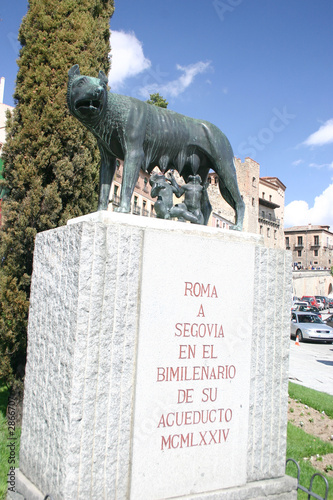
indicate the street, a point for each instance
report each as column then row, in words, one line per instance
column 311, row 365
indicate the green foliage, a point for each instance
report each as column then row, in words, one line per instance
column 299, row 446
column 320, row 401
column 51, row 161
column 157, row 100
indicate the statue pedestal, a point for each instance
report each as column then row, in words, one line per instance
column 157, row 363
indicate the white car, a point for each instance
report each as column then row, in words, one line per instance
column 321, row 304
column 308, row 326
column 298, row 303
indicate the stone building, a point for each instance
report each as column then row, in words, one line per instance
column 263, row 198
column 142, row 203
column 311, row 246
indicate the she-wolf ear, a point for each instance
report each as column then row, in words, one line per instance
column 74, row 71
column 102, row 77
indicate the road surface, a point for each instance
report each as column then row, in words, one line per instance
column 311, row 365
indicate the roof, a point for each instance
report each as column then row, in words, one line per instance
column 275, row 181
column 309, row 227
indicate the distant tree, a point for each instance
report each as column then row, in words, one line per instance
column 51, row 160
column 157, row 100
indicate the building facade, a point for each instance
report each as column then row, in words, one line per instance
column 264, row 203
column 142, row 203
column 312, row 246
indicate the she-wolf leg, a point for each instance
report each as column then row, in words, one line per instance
column 107, row 169
column 132, row 164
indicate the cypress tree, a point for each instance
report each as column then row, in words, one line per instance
column 51, row 161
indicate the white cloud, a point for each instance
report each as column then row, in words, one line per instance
column 297, row 162
column 128, row 58
column 176, row 87
column 324, row 135
column 321, row 165
column 298, row 213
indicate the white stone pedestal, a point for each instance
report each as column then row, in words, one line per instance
column 157, row 363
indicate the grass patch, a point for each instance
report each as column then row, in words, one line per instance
column 320, row 401
column 301, row 445
column 307, row 472
column 5, row 439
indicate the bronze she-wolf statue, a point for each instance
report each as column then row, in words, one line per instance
column 146, row 136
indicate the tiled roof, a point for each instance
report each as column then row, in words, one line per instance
column 307, row 228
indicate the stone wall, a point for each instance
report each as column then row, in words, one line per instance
column 312, row 283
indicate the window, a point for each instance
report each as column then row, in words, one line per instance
column 253, row 202
column 115, row 190
column 315, row 253
column 299, row 253
column 215, row 179
column 209, row 180
column 275, row 234
column 263, row 195
column 263, row 214
column 253, row 181
column 287, row 242
column 316, row 240
column 270, row 197
column 300, row 241
column 217, row 223
column 268, row 232
column 261, row 229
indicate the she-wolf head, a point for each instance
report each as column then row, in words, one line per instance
column 86, row 96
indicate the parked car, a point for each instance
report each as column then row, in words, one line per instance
column 309, row 326
column 309, row 309
column 329, row 321
column 298, row 303
column 322, row 299
column 311, row 299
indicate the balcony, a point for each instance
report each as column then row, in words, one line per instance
column 115, row 200
column 136, row 210
column 269, row 221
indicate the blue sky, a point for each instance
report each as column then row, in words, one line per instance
column 261, row 70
